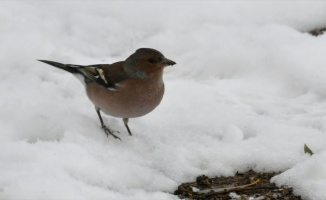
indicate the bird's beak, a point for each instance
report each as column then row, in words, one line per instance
column 168, row 62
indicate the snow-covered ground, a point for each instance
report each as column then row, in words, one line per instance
column 248, row 91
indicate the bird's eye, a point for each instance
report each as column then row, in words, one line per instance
column 152, row 60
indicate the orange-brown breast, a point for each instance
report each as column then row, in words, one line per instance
column 132, row 98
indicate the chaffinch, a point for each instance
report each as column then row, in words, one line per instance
column 125, row 89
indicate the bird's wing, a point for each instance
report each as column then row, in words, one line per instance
column 92, row 73
column 107, row 75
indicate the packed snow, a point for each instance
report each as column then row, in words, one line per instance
column 248, row 91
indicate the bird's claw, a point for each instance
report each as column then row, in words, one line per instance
column 108, row 132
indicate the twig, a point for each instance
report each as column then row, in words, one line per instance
column 227, row 189
column 239, row 189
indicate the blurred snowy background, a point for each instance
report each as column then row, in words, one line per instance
column 248, row 90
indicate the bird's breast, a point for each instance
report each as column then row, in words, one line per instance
column 132, row 98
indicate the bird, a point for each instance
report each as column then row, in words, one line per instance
column 125, row 89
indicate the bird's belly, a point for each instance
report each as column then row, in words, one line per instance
column 126, row 102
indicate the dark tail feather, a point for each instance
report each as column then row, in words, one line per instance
column 89, row 72
column 61, row 66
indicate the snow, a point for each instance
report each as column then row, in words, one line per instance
column 248, row 92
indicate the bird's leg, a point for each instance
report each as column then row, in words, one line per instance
column 106, row 130
column 125, row 121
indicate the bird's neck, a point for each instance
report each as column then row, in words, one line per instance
column 145, row 74
column 156, row 75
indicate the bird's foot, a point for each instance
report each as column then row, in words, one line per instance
column 109, row 131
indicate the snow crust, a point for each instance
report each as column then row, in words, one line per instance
column 248, row 91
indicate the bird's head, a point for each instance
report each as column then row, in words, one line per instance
column 146, row 62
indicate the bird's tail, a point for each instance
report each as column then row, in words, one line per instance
column 65, row 67
column 91, row 73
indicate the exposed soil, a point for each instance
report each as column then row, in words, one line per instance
column 242, row 186
column 317, row 31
